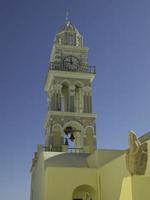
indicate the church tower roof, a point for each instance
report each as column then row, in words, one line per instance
column 68, row 34
column 68, row 27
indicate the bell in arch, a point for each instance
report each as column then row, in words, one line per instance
column 72, row 138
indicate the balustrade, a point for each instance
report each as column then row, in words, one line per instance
column 72, row 68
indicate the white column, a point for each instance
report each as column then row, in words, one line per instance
column 71, row 98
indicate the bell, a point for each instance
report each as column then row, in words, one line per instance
column 66, row 142
column 68, row 130
column 72, row 137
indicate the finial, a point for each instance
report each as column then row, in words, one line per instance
column 67, row 17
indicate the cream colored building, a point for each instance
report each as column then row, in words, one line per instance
column 68, row 166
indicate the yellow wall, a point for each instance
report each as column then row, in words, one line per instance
column 135, row 188
column 112, row 181
column 37, row 183
column 102, row 156
column 110, row 178
column 61, row 182
column 126, row 189
column 148, row 161
column 141, row 188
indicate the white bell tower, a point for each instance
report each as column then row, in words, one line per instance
column 70, row 122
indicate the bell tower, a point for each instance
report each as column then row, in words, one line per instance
column 70, row 123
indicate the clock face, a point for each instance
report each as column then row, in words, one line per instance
column 71, row 61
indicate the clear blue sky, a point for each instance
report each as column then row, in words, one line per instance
column 118, row 35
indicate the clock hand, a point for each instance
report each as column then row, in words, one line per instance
column 71, row 62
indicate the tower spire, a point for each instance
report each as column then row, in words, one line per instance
column 67, row 17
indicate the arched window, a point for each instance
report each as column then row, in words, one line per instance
column 70, row 39
column 65, row 97
column 73, row 136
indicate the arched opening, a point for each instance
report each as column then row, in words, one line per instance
column 73, row 137
column 70, row 39
column 65, row 97
column 84, row 192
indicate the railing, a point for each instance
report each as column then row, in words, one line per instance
column 50, row 148
column 72, row 68
column 75, row 150
column 59, row 149
column 46, row 148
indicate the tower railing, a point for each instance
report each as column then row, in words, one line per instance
column 59, row 149
column 72, row 68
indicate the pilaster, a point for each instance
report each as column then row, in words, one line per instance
column 87, row 99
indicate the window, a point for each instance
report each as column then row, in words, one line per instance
column 71, row 40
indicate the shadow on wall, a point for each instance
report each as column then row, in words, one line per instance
column 68, row 160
